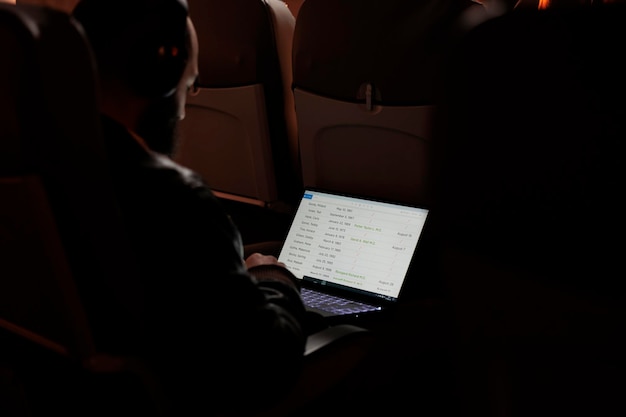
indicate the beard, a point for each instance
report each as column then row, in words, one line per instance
column 159, row 126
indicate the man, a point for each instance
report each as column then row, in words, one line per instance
column 221, row 331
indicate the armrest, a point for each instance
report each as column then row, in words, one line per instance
column 331, row 335
column 330, row 356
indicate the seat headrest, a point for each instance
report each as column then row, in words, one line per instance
column 237, row 43
column 396, row 46
column 43, row 107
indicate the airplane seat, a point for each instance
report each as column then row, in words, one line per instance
column 58, row 221
column 240, row 130
column 528, row 212
column 59, row 228
column 366, row 81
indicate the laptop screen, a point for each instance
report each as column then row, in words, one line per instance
column 340, row 240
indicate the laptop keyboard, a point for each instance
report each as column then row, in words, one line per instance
column 333, row 303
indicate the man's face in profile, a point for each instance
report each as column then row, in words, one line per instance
column 159, row 125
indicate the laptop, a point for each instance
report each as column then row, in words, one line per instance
column 352, row 253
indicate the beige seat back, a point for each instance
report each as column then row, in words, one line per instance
column 239, row 132
column 366, row 81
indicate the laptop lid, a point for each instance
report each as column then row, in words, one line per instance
column 352, row 246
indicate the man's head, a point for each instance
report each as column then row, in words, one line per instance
column 146, row 52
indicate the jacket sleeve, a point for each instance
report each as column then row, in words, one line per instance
column 238, row 333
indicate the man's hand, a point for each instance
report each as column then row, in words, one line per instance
column 257, row 259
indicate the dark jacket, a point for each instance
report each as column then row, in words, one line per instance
column 215, row 330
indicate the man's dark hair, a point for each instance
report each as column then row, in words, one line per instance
column 143, row 43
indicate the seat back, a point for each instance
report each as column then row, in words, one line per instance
column 529, row 211
column 239, row 131
column 52, row 168
column 66, row 280
column 365, row 85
